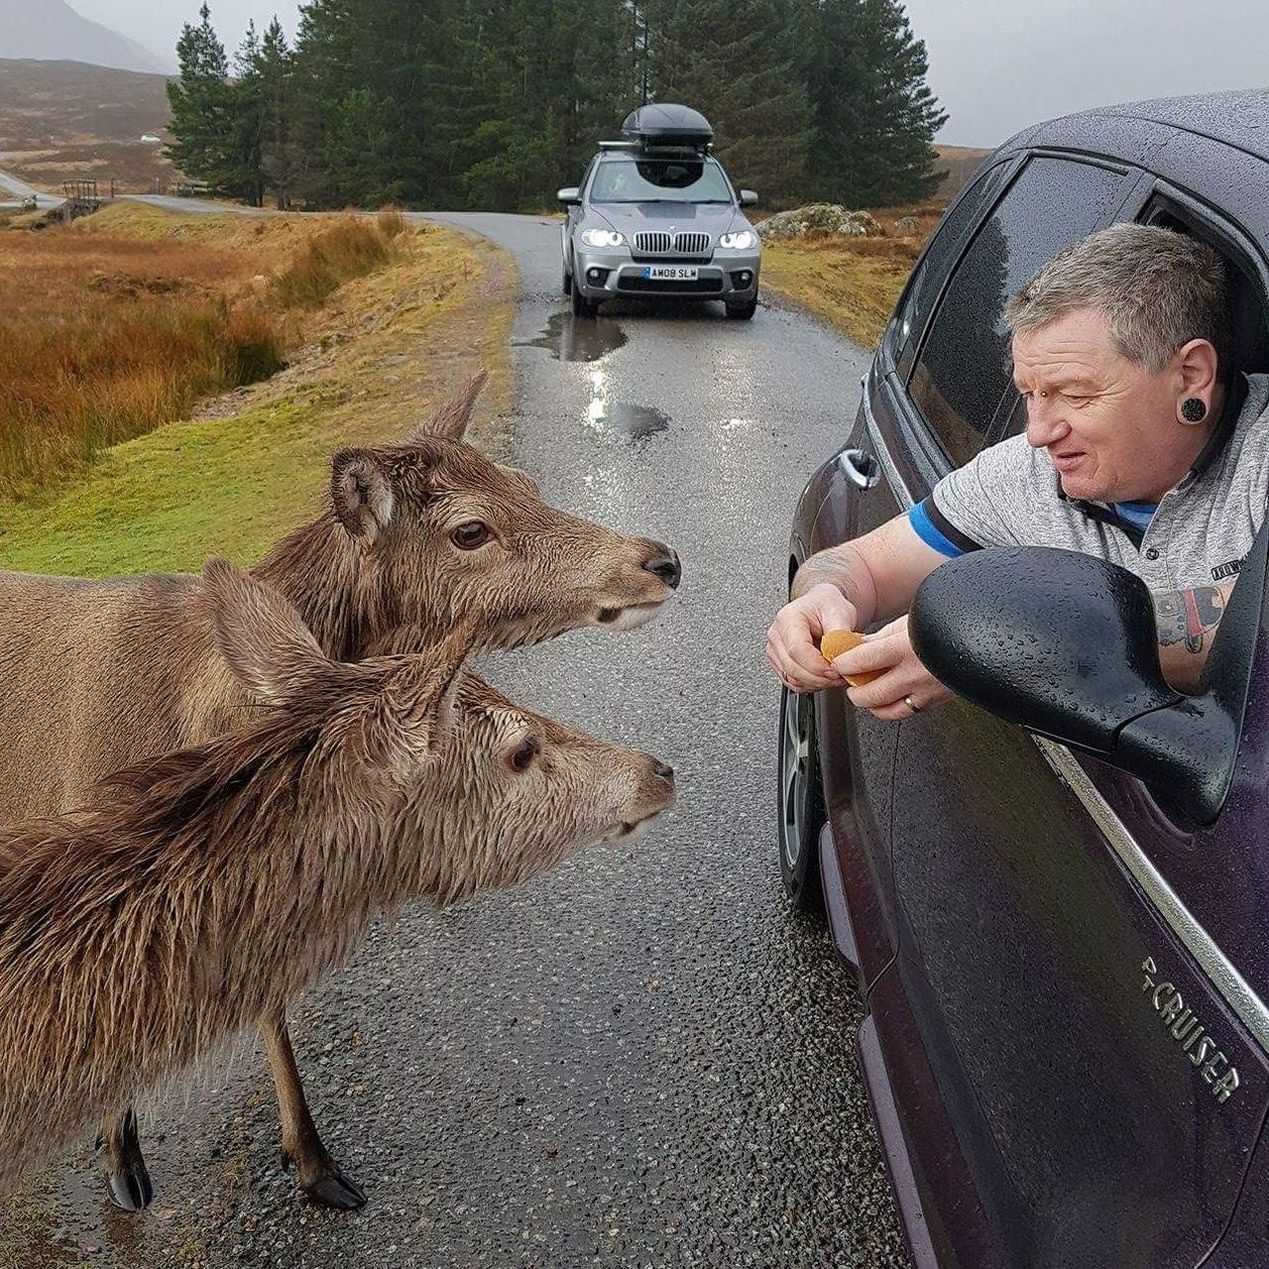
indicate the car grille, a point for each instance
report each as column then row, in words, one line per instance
column 658, row 243
column 652, row 242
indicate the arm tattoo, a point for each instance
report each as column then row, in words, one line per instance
column 1185, row 616
column 818, row 568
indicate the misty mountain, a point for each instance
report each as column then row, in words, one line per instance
column 49, row 30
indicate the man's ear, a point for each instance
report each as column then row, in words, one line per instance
column 416, row 705
column 263, row 639
column 361, row 491
column 450, row 422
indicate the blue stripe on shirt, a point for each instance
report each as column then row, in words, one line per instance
column 919, row 519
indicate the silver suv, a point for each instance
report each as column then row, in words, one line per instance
column 656, row 216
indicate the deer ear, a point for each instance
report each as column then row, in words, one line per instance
column 361, row 491
column 415, row 708
column 263, row 639
column 450, row 422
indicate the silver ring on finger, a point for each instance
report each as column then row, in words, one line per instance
column 911, row 704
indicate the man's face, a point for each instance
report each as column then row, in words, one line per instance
column 1108, row 423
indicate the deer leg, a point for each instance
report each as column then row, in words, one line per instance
column 320, row 1178
column 130, row 1186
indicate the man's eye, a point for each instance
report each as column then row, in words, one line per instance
column 470, row 534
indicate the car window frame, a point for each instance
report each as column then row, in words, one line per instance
column 891, row 351
column 1132, row 181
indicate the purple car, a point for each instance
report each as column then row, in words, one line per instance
column 1054, row 891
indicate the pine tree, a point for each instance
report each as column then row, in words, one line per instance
column 277, row 153
column 247, row 105
column 201, row 101
column 873, row 116
column 736, row 61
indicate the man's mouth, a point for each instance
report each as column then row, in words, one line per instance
column 1067, row 460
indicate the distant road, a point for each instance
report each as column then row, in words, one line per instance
column 9, row 184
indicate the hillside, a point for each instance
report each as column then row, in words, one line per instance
column 959, row 162
column 52, row 30
column 64, row 120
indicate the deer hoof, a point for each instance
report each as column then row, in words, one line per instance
column 132, row 1190
column 336, row 1191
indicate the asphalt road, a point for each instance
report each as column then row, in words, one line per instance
column 643, row 1059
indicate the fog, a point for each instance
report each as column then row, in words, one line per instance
column 995, row 65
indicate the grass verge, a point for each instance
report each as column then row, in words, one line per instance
column 383, row 351
column 852, row 283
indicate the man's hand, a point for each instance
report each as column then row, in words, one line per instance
column 890, row 651
column 794, row 635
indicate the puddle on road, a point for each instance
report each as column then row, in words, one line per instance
column 620, row 418
column 569, row 338
column 631, row 422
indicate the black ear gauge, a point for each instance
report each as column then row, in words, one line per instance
column 1193, row 410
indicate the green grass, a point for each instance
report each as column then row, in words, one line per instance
column 169, row 499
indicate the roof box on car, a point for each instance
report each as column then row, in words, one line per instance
column 667, row 124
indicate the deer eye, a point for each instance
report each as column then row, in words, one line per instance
column 523, row 757
column 470, row 534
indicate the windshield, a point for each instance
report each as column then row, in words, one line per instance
column 623, row 179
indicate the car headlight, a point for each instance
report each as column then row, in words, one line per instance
column 602, row 238
column 740, row 240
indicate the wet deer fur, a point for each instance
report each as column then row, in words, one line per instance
column 99, row 674
column 202, row 889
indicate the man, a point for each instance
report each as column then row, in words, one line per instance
column 1139, row 449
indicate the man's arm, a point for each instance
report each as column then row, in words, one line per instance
column 1186, row 621
column 878, row 573
column 847, row 587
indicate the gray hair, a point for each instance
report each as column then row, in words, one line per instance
column 1158, row 289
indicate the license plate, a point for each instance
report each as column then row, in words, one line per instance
column 670, row 272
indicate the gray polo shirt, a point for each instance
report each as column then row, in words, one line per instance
column 1010, row 495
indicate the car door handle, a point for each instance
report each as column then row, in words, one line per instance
column 859, row 467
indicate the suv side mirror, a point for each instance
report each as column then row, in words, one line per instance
column 748, row 198
column 570, row 194
column 1065, row 645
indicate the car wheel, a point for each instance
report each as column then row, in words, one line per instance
column 801, row 802
column 743, row 312
column 583, row 307
column 567, row 286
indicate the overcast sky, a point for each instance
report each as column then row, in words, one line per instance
column 995, row 65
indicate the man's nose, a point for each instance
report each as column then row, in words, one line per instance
column 1045, row 423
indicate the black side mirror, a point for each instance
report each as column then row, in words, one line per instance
column 1065, row 645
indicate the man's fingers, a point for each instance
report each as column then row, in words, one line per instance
column 887, row 690
column 871, row 655
column 800, row 665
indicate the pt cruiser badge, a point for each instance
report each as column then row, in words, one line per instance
column 1185, row 1028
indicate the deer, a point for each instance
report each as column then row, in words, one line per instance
column 201, row 889
column 412, row 539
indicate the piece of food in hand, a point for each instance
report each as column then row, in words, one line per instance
column 835, row 642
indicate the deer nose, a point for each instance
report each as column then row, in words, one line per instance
column 664, row 771
column 666, row 566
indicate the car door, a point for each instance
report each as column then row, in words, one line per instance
column 1029, row 1013
column 858, row 752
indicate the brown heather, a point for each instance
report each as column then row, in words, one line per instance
column 104, row 338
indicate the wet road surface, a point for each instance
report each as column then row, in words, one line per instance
column 643, row 1059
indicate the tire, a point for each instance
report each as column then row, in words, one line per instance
column 799, row 803
column 567, row 286
column 583, row 307
column 743, row 312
